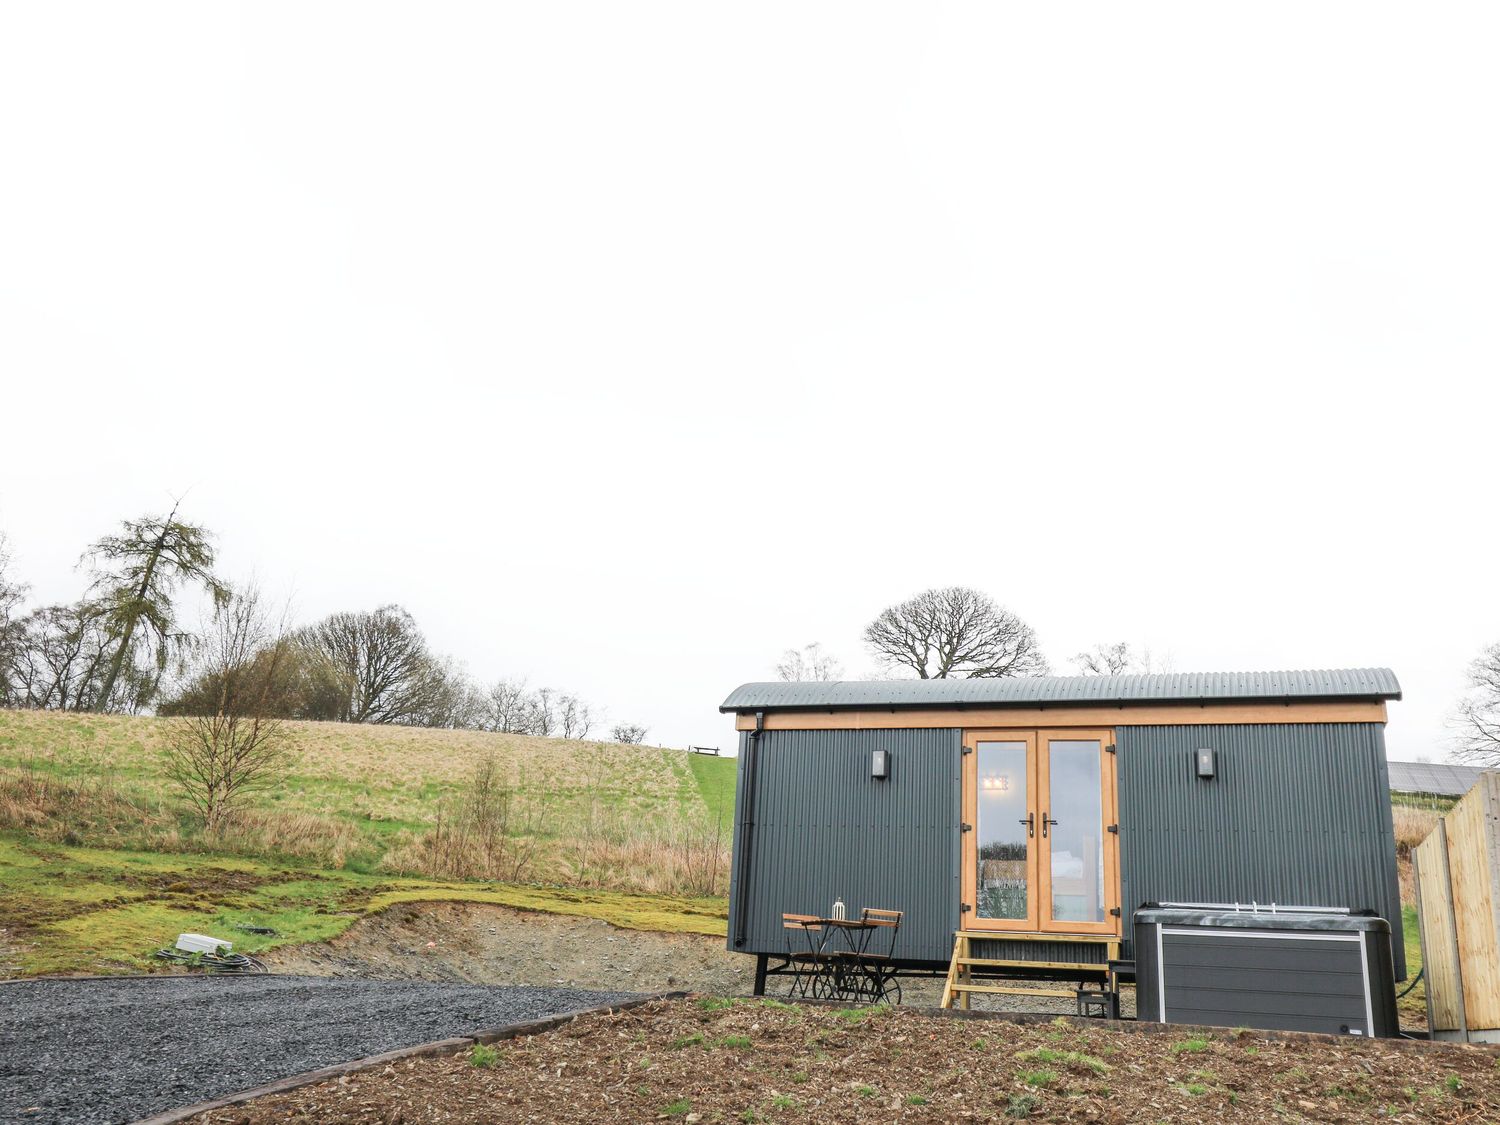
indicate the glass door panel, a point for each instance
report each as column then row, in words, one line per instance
column 1005, row 827
column 1074, row 830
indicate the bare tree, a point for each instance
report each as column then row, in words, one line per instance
column 12, row 633
column 137, row 576
column 955, row 631
column 235, row 747
column 541, row 713
column 382, row 665
column 1119, row 659
column 505, row 707
column 576, row 717
column 809, row 663
column 631, row 734
column 1478, row 714
column 456, row 703
column 62, row 659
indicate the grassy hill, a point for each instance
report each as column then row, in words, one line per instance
column 100, row 856
column 354, row 794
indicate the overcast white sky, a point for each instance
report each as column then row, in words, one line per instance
column 629, row 344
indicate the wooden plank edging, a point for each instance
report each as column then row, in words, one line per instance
column 421, row 1050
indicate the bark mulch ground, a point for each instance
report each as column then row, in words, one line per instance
column 708, row 1059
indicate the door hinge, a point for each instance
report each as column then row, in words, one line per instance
column 966, row 828
column 1115, row 828
column 1114, row 911
column 965, row 908
column 1110, row 749
column 968, row 749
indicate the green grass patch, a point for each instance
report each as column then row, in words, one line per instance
column 1075, row 1059
column 1038, row 1079
column 1189, row 1046
column 715, row 779
column 483, row 1056
column 859, row 1015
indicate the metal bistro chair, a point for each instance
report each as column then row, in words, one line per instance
column 804, row 956
column 878, row 960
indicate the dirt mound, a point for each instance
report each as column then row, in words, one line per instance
column 483, row 944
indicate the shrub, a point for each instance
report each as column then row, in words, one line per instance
column 1022, row 1105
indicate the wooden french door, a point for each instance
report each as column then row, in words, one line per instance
column 1040, row 853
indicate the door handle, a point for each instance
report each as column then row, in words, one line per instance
column 1030, row 822
column 1045, row 822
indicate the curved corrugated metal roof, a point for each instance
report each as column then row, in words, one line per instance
column 1182, row 687
column 1444, row 779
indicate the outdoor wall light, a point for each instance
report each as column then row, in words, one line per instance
column 1204, row 762
column 880, row 765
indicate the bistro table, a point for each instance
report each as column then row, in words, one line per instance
column 840, row 970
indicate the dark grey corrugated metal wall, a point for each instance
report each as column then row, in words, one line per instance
column 1298, row 814
column 824, row 829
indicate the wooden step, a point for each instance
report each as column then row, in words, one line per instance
column 1030, row 935
column 959, row 984
column 991, row 962
column 1015, row 990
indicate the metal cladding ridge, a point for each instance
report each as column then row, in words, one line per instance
column 1169, row 687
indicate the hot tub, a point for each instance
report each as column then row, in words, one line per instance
column 1279, row 968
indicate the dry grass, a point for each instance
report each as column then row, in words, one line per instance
column 1412, row 826
column 259, row 832
column 94, row 810
column 615, row 851
column 382, row 774
column 500, row 832
column 36, row 801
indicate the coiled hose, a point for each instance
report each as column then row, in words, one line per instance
column 213, row 962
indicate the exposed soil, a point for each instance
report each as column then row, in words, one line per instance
column 483, row 944
column 11, row 949
column 714, row 1060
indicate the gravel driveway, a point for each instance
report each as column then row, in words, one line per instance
column 119, row 1050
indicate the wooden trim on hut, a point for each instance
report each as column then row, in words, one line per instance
column 1133, row 715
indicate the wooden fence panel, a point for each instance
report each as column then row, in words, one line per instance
column 1458, row 900
column 1474, row 863
column 1439, row 936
